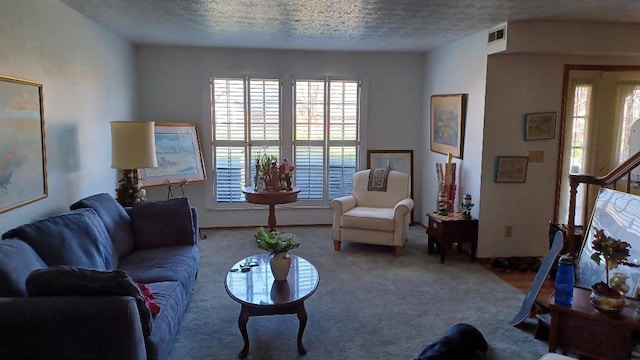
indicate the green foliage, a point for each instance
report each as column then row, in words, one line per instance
column 276, row 242
column 614, row 252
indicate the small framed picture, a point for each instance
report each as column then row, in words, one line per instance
column 540, row 126
column 511, row 169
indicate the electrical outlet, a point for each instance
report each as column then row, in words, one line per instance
column 508, row 231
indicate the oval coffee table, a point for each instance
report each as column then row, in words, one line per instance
column 259, row 294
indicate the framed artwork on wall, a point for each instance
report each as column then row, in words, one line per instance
column 23, row 160
column 511, row 169
column 540, row 126
column 179, row 156
column 448, row 113
column 399, row 160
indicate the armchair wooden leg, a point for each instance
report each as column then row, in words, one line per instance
column 398, row 250
column 336, row 245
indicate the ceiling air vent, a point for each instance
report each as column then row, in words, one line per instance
column 497, row 34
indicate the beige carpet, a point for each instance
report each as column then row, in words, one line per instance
column 369, row 304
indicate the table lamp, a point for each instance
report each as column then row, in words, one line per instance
column 132, row 148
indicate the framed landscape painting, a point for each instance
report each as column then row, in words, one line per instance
column 23, row 161
column 447, row 124
column 179, row 156
column 511, row 169
column 540, row 126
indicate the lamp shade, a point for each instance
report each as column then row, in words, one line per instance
column 133, row 145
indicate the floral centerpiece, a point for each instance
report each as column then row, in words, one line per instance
column 605, row 297
column 277, row 244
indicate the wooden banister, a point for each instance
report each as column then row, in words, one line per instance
column 607, row 180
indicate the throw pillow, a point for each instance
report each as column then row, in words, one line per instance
column 115, row 219
column 70, row 280
column 17, row 261
column 76, row 238
column 162, row 223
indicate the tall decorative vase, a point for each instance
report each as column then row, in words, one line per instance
column 280, row 264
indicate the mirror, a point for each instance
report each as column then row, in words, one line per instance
column 600, row 105
column 618, row 214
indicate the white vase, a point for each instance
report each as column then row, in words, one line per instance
column 280, row 264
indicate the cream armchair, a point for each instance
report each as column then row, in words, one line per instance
column 374, row 217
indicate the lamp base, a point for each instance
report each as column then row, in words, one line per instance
column 129, row 190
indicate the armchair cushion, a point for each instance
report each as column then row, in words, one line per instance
column 380, row 219
column 162, row 223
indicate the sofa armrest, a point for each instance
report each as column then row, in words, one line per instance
column 71, row 327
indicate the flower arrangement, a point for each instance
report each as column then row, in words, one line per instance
column 276, row 242
column 613, row 251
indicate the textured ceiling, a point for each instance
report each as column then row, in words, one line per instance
column 374, row 25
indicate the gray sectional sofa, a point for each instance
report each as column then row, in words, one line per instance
column 69, row 283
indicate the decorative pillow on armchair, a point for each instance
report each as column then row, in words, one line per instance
column 70, row 280
column 162, row 223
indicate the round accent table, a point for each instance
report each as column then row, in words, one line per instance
column 259, row 294
column 271, row 198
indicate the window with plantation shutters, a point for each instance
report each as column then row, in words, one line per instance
column 323, row 123
column 246, row 115
column 326, row 132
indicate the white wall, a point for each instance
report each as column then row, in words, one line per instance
column 87, row 77
column 459, row 68
column 518, row 84
column 173, row 86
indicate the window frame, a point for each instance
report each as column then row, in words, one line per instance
column 286, row 134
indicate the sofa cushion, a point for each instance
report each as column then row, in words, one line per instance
column 176, row 263
column 162, row 223
column 172, row 299
column 76, row 238
column 116, row 220
column 69, row 280
column 380, row 219
column 17, row 260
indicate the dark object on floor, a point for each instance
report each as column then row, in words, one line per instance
column 460, row 342
column 523, row 264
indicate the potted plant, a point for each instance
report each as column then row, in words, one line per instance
column 605, row 297
column 277, row 244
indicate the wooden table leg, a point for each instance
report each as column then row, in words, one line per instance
column 242, row 324
column 272, row 217
column 302, row 317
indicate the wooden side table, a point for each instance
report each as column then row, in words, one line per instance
column 583, row 331
column 271, row 198
column 444, row 230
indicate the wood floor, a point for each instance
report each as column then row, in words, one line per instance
column 522, row 281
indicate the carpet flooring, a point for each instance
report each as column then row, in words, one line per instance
column 369, row 305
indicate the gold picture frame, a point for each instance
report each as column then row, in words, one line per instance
column 511, row 169
column 539, row 126
column 179, row 156
column 448, row 113
column 23, row 160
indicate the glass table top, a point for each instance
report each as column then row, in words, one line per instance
column 258, row 287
